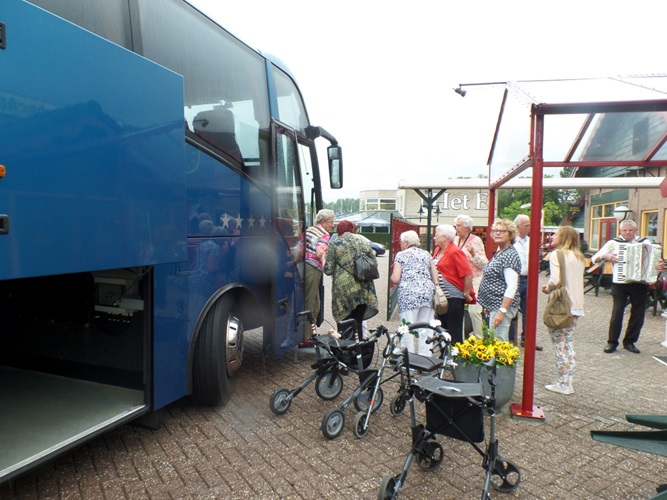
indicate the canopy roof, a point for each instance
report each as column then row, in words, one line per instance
column 362, row 219
column 601, row 122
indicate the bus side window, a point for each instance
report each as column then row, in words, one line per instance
column 216, row 127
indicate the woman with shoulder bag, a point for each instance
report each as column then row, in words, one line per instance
column 566, row 242
column 416, row 277
column 455, row 278
column 350, row 298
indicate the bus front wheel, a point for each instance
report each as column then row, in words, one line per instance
column 218, row 353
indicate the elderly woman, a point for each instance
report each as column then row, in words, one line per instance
column 473, row 248
column 350, row 298
column 415, row 274
column 454, row 277
column 317, row 245
column 500, row 281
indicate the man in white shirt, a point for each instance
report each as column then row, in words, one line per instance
column 522, row 223
column 636, row 292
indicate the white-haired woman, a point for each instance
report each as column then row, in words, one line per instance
column 473, row 248
column 416, row 277
column 455, row 278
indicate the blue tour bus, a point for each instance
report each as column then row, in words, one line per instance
column 156, row 178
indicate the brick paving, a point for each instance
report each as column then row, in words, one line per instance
column 243, row 451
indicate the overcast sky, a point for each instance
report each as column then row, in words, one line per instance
column 379, row 75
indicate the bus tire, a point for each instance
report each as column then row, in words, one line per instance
column 218, row 354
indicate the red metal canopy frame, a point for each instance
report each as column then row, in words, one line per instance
column 535, row 160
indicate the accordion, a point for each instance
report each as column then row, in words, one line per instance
column 636, row 263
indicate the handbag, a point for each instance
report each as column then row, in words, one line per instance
column 440, row 301
column 365, row 267
column 558, row 311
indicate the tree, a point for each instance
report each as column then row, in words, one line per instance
column 555, row 202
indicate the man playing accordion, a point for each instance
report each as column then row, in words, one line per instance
column 636, row 291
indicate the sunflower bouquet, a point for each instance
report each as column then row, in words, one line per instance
column 475, row 351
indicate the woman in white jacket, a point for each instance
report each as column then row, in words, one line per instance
column 566, row 240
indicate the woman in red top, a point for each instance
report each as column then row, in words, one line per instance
column 455, row 278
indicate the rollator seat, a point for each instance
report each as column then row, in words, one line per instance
column 450, row 388
column 418, row 362
column 331, row 341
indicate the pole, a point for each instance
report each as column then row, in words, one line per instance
column 526, row 409
column 429, row 200
column 492, row 217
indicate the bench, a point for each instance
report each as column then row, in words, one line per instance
column 597, row 276
column 657, row 294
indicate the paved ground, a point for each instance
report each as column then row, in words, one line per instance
column 244, row 451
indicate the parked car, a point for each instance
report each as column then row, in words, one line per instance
column 378, row 248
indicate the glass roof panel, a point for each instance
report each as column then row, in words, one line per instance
column 593, row 90
column 600, row 137
column 512, row 142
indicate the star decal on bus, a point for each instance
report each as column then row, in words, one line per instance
column 225, row 220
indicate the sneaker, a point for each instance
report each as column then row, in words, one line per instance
column 306, row 343
column 560, row 389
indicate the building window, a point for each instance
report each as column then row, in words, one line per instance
column 603, row 224
column 649, row 227
column 370, row 204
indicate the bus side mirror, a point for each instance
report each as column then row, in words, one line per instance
column 335, row 155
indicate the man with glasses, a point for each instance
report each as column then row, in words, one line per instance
column 521, row 244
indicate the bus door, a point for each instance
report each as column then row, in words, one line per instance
column 290, row 249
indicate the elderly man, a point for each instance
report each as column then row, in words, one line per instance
column 317, row 244
column 521, row 244
column 620, row 292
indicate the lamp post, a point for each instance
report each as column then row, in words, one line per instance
column 621, row 213
column 429, row 205
column 437, row 212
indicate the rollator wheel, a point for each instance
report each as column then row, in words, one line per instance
column 506, row 476
column 362, row 399
column 329, row 385
column 398, row 404
column 333, row 423
column 430, row 456
column 280, row 401
column 360, row 427
column 388, row 488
